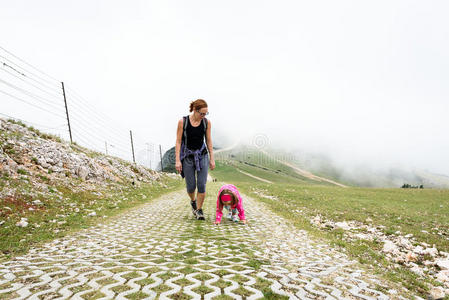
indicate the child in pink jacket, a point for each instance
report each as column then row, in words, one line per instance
column 228, row 195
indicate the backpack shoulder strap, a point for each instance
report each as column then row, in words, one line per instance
column 184, row 125
column 205, row 124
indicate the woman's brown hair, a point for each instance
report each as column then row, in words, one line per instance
column 234, row 197
column 197, row 104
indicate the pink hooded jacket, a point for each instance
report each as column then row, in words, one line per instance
column 239, row 205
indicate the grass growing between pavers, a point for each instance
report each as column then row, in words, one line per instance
column 202, row 290
column 223, row 297
column 137, row 296
column 66, row 211
column 420, row 212
column 263, row 285
column 94, row 295
column 180, row 296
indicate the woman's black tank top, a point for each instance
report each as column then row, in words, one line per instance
column 195, row 135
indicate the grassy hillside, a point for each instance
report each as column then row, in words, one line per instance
column 259, row 164
column 321, row 165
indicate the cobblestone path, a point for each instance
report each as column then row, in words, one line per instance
column 158, row 251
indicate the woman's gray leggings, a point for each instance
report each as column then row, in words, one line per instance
column 192, row 181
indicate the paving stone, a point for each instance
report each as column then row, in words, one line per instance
column 159, row 251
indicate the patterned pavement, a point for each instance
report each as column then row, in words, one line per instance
column 159, row 251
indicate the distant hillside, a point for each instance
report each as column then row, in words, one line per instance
column 365, row 175
column 251, row 161
column 320, row 169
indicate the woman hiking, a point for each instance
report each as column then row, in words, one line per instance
column 192, row 159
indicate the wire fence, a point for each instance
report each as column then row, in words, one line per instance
column 30, row 95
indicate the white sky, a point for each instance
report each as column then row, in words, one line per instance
column 362, row 80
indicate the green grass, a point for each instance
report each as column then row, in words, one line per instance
column 228, row 169
column 264, row 286
column 57, row 216
column 409, row 211
column 39, row 133
column 202, row 290
column 137, row 296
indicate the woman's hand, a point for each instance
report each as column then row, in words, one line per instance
column 212, row 164
column 244, row 221
column 178, row 166
column 217, row 222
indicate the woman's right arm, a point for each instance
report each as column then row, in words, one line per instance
column 179, row 132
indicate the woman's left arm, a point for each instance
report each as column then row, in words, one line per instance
column 209, row 146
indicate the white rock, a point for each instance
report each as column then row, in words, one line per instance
column 92, row 214
column 443, row 276
column 403, row 242
column 369, row 220
column 363, row 236
column 12, row 164
column 417, row 270
column 443, row 264
column 437, row 293
column 82, row 172
column 342, row 225
column 390, row 247
column 37, row 202
column 418, row 250
column 22, row 223
column 431, row 251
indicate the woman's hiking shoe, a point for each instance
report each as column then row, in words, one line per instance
column 193, row 204
column 199, row 214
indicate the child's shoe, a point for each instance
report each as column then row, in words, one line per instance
column 235, row 218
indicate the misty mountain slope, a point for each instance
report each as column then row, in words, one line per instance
column 264, row 166
column 321, row 169
column 277, row 165
column 366, row 174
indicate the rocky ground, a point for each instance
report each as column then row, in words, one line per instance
column 421, row 258
column 25, row 151
column 425, row 260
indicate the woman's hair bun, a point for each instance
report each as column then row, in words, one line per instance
column 197, row 104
